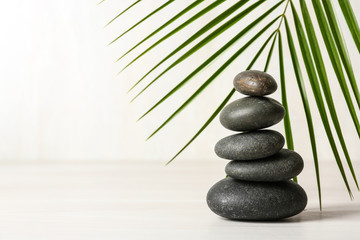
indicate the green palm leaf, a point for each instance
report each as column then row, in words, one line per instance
column 260, row 51
column 223, row 103
column 305, row 101
column 310, row 68
column 185, row 10
column 335, row 60
column 320, row 66
column 191, row 75
column 287, row 124
column 207, row 62
column 351, row 21
column 171, row 33
column 311, row 56
column 142, row 20
column 203, row 30
column 214, row 35
column 341, row 46
column 213, row 77
column 215, row 113
column 270, row 54
column 126, row 9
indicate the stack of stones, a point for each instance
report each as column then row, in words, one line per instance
column 258, row 185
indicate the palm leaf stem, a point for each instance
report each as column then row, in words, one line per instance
column 283, row 14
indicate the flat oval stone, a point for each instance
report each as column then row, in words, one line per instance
column 251, row 113
column 250, row 145
column 281, row 166
column 255, row 83
column 242, row 200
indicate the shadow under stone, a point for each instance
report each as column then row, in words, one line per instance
column 314, row 214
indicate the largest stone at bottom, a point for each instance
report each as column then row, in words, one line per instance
column 242, row 200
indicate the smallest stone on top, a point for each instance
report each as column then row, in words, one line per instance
column 255, row 83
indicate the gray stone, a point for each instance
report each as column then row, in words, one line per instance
column 250, row 145
column 242, row 200
column 251, row 113
column 283, row 165
column 255, row 83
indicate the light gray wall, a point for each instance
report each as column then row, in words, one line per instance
column 61, row 99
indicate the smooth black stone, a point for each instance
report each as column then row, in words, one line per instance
column 255, row 83
column 250, row 145
column 242, row 200
column 251, row 113
column 281, row 166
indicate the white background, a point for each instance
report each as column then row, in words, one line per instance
column 60, row 98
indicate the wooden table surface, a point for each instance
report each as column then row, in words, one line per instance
column 143, row 200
